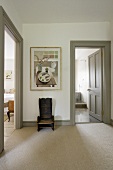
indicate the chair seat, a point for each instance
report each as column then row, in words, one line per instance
column 10, row 108
column 45, row 122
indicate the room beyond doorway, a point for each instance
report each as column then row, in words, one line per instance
column 82, row 84
column 9, row 84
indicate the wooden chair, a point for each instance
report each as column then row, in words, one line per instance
column 10, row 108
column 46, row 119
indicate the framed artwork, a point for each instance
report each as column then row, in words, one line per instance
column 45, row 68
column 8, row 74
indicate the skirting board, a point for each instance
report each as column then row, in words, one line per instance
column 62, row 122
column 29, row 123
column 57, row 123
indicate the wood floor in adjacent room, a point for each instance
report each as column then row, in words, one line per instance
column 8, row 127
column 79, row 147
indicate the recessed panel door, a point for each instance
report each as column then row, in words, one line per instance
column 95, row 85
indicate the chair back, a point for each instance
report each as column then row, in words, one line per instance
column 45, row 108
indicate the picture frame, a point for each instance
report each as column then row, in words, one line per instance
column 45, row 68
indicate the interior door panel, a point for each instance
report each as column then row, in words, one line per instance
column 95, row 85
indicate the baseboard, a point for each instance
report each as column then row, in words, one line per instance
column 57, row 123
column 111, row 122
column 62, row 122
column 29, row 123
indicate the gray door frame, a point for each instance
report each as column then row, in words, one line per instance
column 106, row 45
column 5, row 22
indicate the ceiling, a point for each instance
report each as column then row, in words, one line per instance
column 63, row 11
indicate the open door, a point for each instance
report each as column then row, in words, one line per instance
column 95, row 85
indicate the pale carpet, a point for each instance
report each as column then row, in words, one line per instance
column 80, row 147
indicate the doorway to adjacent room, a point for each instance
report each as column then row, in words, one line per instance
column 105, row 100
column 88, row 81
column 6, row 23
column 9, row 85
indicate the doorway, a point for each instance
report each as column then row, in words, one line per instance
column 6, row 23
column 9, row 85
column 88, row 76
column 106, row 98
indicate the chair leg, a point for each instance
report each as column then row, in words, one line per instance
column 38, row 128
column 8, row 114
column 53, row 126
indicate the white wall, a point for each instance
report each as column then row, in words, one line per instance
column 53, row 35
column 9, row 83
column 12, row 13
column 81, row 81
